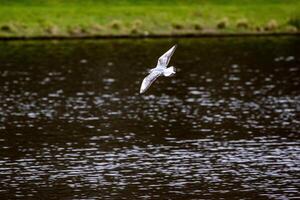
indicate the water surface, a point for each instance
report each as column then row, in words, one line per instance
column 73, row 126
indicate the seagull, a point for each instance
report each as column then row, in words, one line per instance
column 160, row 70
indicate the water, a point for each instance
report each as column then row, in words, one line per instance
column 73, row 126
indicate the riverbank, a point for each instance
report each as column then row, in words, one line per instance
column 130, row 19
column 152, row 36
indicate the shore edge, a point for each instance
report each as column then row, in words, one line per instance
column 138, row 36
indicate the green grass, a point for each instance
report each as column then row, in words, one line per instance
column 295, row 21
column 69, row 18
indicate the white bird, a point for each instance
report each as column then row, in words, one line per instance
column 160, row 70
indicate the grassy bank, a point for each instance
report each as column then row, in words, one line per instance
column 129, row 17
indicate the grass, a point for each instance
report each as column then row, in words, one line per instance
column 131, row 17
column 295, row 21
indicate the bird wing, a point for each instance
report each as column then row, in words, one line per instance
column 148, row 80
column 164, row 60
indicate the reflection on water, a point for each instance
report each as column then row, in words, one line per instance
column 72, row 124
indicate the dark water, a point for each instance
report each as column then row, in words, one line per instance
column 227, row 126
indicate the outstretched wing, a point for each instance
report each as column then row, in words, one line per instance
column 164, row 60
column 149, row 80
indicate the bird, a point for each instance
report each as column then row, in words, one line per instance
column 160, row 70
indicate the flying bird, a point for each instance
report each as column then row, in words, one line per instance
column 160, row 70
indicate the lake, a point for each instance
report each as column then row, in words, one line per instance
column 74, row 126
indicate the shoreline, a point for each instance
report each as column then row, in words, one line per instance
column 150, row 36
column 31, row 19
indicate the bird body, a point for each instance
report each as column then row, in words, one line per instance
column 160, row 70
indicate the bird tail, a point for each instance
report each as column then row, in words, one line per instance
column 169, row 71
